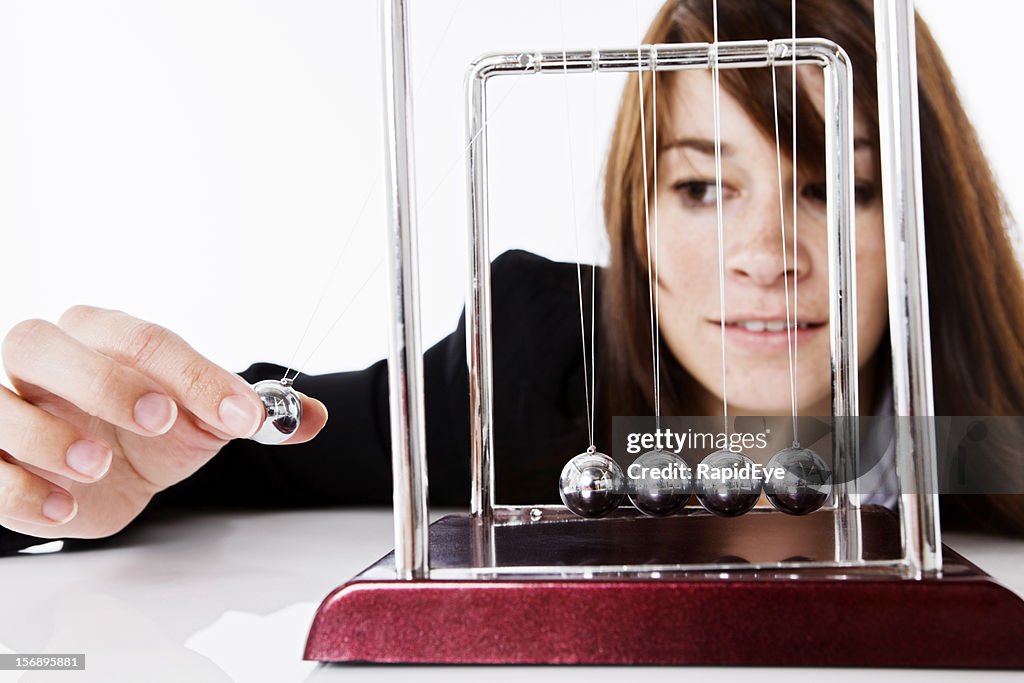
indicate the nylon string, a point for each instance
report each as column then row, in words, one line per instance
column 718, row 208
column 796, row 270
column 588, row 373
column 785, row 264
column 647, row 211
column 375, row 186
column 792, row 327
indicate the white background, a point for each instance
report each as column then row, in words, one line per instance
column 200, row 163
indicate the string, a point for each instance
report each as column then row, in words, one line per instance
column 593, row 266
column 366, row 199
column 647, row 207
column 587, row 374
column 657, row 253
column 785, row 265
column 462, row 156
column 362, row 210
column 330, row 278
column 337, row 320
column 718, row 208
column 440, row 43
column 796, row 270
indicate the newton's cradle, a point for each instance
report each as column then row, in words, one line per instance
column 596, row 582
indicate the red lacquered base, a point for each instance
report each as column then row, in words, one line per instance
column 964, row 619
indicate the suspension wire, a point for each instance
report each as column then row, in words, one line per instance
column 369, row 193
column 440, row 44
column 785, row 265
column 716, row 86
column 796, row 270
column 593, row 266
column 588, row 375
column 657, row 252
column 359, row 217
column 337, row 320
column 647, row 213
column 327, row 284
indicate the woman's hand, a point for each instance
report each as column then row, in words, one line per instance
column 110, row 410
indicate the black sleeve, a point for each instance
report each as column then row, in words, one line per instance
column 536, row 356
column 536, row 344
column 349, row 462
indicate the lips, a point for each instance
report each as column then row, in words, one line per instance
column 768, row 325
column 771, row 322
column 769, row 334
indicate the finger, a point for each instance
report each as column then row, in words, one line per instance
column 29, row 498
column 215, row 396
column 314, row 417
column 42, row 355
column 35, row 437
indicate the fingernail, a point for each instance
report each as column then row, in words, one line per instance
column 240, row 416
column 89, row 458
column 155, row 413
column 59, row 507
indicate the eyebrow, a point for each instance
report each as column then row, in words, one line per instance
column 702, row 145
column 706, row 146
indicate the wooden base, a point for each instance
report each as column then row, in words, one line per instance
column 964, row 619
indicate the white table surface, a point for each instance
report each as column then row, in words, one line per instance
column 230, row 596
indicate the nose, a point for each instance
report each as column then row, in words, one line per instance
column 754, row 249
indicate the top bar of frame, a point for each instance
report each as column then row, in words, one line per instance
column 671, row 57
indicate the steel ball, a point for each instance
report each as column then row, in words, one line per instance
column 283, row 412
column 591, row 485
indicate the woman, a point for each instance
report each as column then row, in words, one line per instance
column 112, row 414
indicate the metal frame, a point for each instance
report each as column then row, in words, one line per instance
column 907, row 279
column 405, row 355
column 838, row 78
column 910, row 334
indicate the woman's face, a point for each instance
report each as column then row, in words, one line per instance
column 756, row 347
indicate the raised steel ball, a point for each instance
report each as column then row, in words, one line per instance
column 659, row 483
column 805, row 484
column 284, row 411
column 728, row 483
column 591, row 485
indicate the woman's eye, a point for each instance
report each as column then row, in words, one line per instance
column 864, row 192
column 698, row 192
column 816, row 192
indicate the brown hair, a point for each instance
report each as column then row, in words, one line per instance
column 977, row 328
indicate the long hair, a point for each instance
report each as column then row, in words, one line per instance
column 976, row 289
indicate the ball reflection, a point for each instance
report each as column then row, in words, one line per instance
column 284, row 412
column 659, row 483
column 804, row 485
column 592, row 485
column 728, row 483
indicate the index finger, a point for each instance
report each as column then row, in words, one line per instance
column 216, row 396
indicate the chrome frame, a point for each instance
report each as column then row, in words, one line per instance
column 904, row 237
column 405, row 355
column 841, row 234
column 907, row 273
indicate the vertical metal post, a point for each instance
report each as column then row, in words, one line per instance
column 405, row 360
column 479, row 344
column 842, row 278
column 899, row 128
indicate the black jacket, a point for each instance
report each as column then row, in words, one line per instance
column 540, row 421
column 539, row 403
